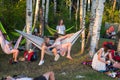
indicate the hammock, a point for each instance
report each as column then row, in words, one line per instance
column 5, row 46
column 37, row 41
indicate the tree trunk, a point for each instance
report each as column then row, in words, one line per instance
column 76, row 15
column 43, row 8
column 118, row 47
column 55, row 7
column 70, row 9
column 92, row 19
column 114, row 5
column 36, row 12
column 96, row 27
column 47, row 11
column 41, row 26
column 28, row 21
column 88, row 8
column 82, row 22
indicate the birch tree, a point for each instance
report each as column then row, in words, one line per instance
column 47, row 11
column 92, row 19
column 55, row 6
column 96, row 27
column 82, row 22
column 36, row 12
column 88, row 6
column 43, row 8
column 41, row 26
column 118, row 47
column 76, row 15
column 28, row 21
column 70, row 9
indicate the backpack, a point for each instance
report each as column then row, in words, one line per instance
column 30, row 56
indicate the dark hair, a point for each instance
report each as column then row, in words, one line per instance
column 56, row 35
column 109, row 46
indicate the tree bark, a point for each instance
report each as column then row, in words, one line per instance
column 92, row 19
column 76, row 15
column 114, row 5
column 43, row 8
column 55, row 7
column 36, row 12
column 118, row 47
column 47, row 11
column 88, row 8
column 97, row 26
column 82, row 22
column 41, row 26
column 28, row 21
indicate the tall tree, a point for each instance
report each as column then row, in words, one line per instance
column 76, row 15
column 118, row 47
column 96, row 27
column 47, row 11
column 41, row 26
column 43, row 7
column 92, row 19
column 88, row 6
column 82, row 22
column 114, row 5
column 28, row 21
column 55, row 7
column 36, row 12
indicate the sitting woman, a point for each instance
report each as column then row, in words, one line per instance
column 7, row 47
column 62, row 47
column 103, row 58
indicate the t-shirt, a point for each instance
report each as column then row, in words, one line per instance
column 61, row 29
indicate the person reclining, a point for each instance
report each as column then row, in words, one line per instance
column 7, row 47
column 45, row 76
column 56, row 47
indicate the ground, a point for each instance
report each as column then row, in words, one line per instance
column 64, row 69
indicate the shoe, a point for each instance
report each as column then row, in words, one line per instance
column 57, row 56
column 14, row 62
column 41, row 62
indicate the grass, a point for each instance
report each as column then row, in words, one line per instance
column 64, row 69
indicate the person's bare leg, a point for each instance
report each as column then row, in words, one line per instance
column 49, row 75
column 54, row 51
column 15, row 54
column 69, row 50
column 43, row 52
column 116, row 65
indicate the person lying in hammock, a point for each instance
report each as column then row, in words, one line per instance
column 62, row 47
column 56, row 47
column 7, row 47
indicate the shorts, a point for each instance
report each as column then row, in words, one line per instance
column 40, row 78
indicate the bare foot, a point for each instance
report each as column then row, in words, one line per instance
column 62, row 54
column 69, row 57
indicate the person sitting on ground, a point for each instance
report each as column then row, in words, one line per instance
column 45, row 76
column 13, row 51
column 103, row 58
column 45, row 46
column 62, row 47
column 110, row 33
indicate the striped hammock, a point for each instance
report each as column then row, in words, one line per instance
column 37, row 41
column 5, row 47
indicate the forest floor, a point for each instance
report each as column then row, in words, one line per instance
column 64, row 69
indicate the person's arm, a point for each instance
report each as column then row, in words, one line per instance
column 66, row 36
column 110, row 58
column 99, row 56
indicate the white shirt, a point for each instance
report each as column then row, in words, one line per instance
column 61, row 29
